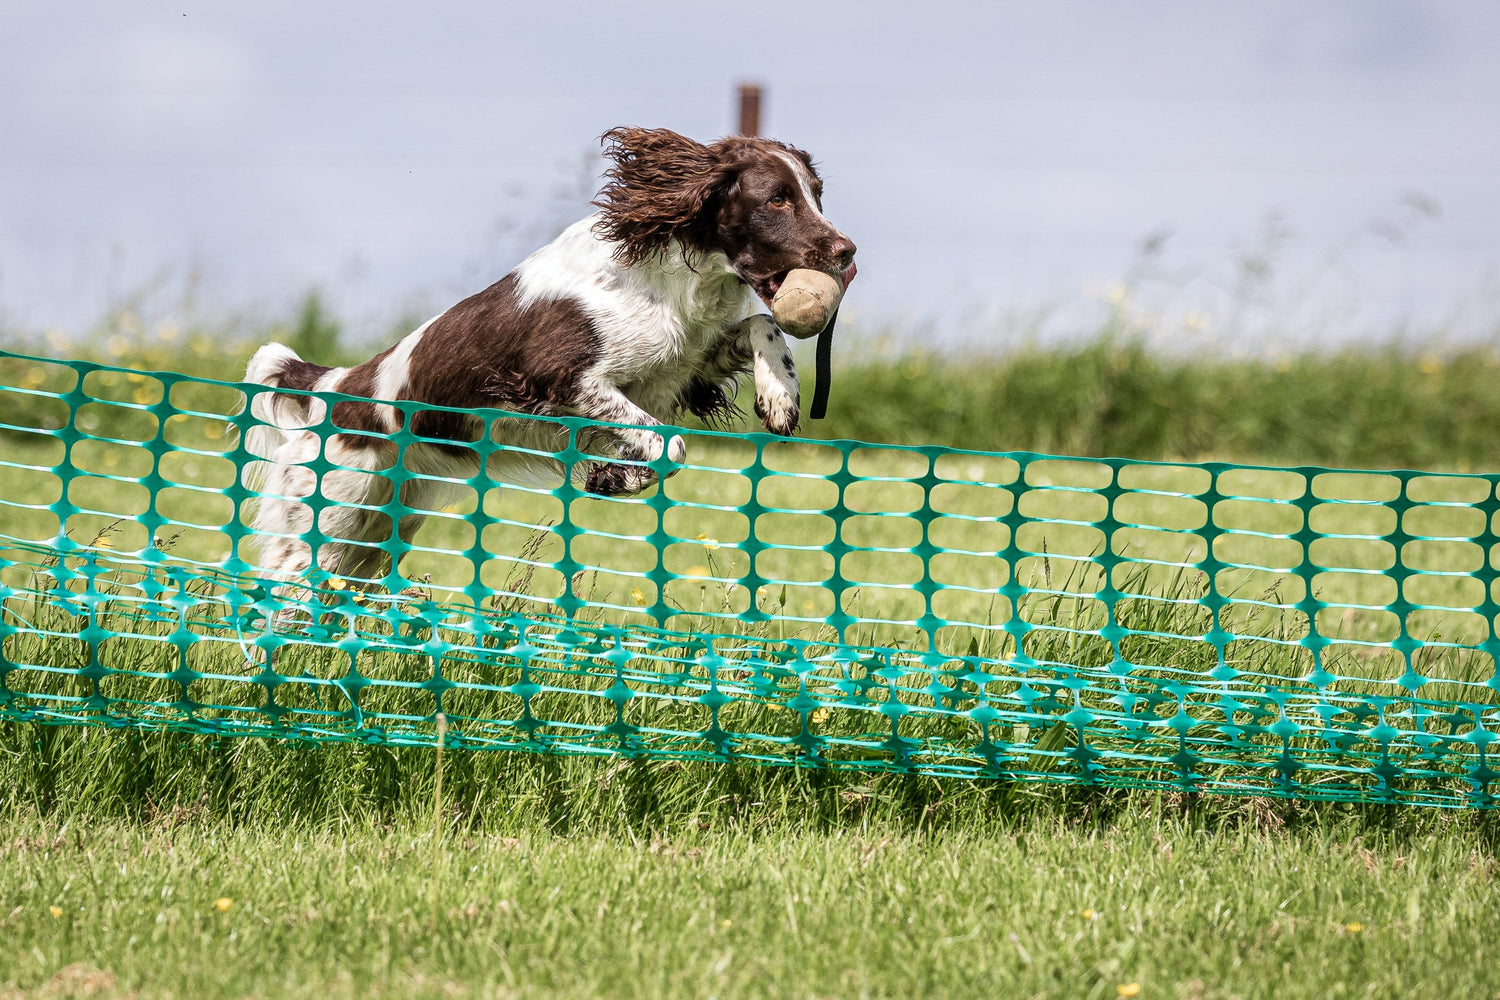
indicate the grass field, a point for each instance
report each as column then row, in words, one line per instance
column 572, row 877
column 583, row 879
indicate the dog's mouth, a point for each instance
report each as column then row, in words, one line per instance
column 772, row 285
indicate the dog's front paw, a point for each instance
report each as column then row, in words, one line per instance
column 776, row 388
column 779, row 414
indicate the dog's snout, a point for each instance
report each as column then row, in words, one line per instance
column 843, row 251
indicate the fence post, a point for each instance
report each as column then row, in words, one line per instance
column 750, row 109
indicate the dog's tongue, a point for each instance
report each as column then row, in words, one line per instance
column 848, row 274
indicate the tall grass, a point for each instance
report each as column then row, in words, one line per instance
column 1378, row 408
column 1107, row 395
column 1056, row 625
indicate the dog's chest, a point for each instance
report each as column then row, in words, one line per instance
column 661, row 381
column 673, row 341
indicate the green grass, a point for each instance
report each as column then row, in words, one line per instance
column 579, row 876
column 1000, row 522
column 1380, row 408
column 809, row 889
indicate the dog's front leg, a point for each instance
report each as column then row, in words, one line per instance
column 600, row 400
column 777, row 392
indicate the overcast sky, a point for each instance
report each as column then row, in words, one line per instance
column 995, row 162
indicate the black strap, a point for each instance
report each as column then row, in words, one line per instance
column 825, row 366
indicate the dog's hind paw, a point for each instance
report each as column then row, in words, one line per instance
column 611, row 479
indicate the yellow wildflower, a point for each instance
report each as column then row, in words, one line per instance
column 1087, row 914
column 56, row 911
column 1128, row 989
column 638, row 596
column 223, row 903
column 336, row 583
column 1354, row 927
column 708, row 543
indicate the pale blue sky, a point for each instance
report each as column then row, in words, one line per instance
column 994, row 162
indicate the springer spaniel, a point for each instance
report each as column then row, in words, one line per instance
column 633, row 315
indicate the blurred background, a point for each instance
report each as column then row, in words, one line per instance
column 1002, row 166
column 1263, row 182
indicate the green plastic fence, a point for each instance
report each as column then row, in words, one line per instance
column 1193, row 627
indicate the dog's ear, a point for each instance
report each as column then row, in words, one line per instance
column 661, row 187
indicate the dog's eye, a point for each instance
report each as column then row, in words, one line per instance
column 778, row 199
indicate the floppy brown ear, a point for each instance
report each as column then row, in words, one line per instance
column 656, row 191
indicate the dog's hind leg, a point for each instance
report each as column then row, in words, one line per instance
column 350, row 505
column 603, row 401
column 355, row 520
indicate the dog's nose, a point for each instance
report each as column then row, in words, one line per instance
column 843, row 251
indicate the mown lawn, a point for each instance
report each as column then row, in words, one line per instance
column 1077, row 897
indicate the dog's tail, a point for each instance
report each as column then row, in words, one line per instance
column 279, row 367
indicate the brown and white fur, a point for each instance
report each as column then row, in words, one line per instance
column 634, row 315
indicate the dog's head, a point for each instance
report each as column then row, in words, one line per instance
column 756, row 201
